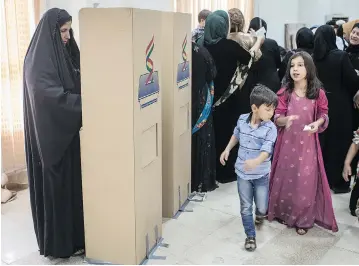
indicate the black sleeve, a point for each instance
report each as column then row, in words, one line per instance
column 284, row 65
column 240, row 53
column 277, row 55
column 350, row 77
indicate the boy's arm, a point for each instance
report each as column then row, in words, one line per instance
column 262, row 157
column 266, row 150
column 268, row 145
column 232, row 142
column 234, row 139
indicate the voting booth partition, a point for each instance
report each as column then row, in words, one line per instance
column 176, row 111
column 121, row 139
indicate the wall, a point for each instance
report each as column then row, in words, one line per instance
column 315, row 12
column 311, row 12
column 74, row 6
column 276, row 13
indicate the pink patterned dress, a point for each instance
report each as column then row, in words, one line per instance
column 299, row 190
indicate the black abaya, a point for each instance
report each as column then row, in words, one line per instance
column 52, row 120
column 353, row 51
column 226, row 54
column 203, row 142
column 340, row 81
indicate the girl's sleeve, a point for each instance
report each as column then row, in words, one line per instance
column 282, row 107
column 322, row 110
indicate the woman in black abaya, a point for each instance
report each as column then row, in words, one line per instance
column 52, row 120
column 203, row 141
column 226, row 55
column 353, row 52
column 341, row 82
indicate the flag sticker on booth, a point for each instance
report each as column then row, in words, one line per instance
column 183, row 68
column 149, row 88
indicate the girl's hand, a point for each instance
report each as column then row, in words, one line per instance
column 314, row 127
column 224, row 157
column 290, row 120
column 347, row 172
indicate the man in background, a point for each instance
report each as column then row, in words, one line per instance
column 199, row 31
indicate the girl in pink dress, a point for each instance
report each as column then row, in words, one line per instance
column 299, row 192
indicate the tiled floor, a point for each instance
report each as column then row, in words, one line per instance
column 211, row 234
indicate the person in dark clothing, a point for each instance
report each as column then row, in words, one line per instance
column 341, row 82
column 264, row 71
column 282, row 52
column 226, row 54
column 305, row 42
column 353, row 52
column 203, row 142
column 52, row 121
column 353, row 48
column 340, row 34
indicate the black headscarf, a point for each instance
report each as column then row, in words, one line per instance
column 257, row 23
column 324, row 42
column 353, row 48
column 340, row 32
column 52, row 104
column 305, row 39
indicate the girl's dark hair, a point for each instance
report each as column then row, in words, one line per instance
column 313, row 83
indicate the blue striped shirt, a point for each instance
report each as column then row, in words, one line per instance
column 253, row 141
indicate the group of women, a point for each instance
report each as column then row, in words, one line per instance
column 336, row 70
column 52, row 112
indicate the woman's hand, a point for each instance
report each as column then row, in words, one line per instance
column 252, row 32
column 356, row 100
column 347, row 172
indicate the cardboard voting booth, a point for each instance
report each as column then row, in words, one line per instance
column 121, row 140
column 176, row 111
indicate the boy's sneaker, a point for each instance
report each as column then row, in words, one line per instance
column 250, row 244
column 259, row 220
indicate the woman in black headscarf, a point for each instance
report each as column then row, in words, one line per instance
column 226, row 54
column 341, row 82
column 305, row 42
column 203, row 145
column 353, row 51
column 52, row 120
column 353, row 48
column 264, row 71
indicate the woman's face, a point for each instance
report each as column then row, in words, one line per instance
column 354, row 36
column 65, row 32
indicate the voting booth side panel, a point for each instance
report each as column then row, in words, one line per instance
column 169, row 193
column 107, row 138
column 182, row 106
column 147, row 129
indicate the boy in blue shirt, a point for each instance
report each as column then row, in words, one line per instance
column 256, row 135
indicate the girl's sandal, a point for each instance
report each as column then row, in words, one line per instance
column 301, row 231
column 281, row 222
